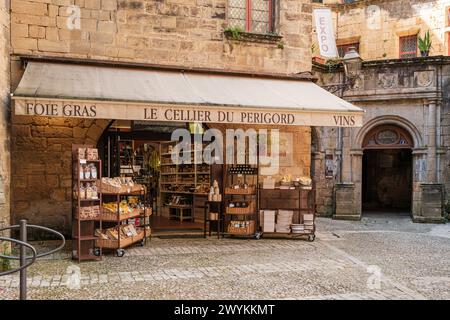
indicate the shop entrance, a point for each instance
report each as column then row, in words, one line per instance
column 141, row 151
column 387, row 171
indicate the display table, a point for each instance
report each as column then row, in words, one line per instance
column 217, row 208
column 180, row 212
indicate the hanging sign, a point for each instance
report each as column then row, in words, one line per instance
column 325, row 33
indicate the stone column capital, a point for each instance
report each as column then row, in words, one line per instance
column 357, row 152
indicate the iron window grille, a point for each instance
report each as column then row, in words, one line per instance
column 408, row 46
column 256, row 16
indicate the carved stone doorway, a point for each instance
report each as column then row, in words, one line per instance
column 387, row 170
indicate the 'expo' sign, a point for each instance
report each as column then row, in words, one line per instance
column 325, row 33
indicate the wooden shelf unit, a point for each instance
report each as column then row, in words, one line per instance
column 83, row 229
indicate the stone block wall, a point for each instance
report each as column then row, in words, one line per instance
column 4, row 114
column 189, row 33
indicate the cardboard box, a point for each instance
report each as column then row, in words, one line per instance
column 269, row 220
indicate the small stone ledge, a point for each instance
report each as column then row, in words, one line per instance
column 347, row 217
column 254, row 37
column 422, row 219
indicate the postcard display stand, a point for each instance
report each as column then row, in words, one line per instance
column 87, row 195
column 288, row 212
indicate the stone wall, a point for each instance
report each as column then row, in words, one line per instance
column 189, row 33
column 378, row 24
column 4, row 114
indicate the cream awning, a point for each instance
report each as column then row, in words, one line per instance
column 104, row 92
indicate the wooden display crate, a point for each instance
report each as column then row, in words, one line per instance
column 111, row 215
column 124, row 242
column 239, row 210
column 247, row 230
column 232, row 191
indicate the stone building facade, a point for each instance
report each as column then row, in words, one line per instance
column 4, row 115
column 175, row 33
column 377, row 25
column 398, row 161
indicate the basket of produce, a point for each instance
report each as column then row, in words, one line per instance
column 109, row 211
column 111, row 185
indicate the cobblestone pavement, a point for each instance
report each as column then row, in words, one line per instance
column 377, row 258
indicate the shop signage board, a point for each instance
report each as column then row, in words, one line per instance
column 183, row 113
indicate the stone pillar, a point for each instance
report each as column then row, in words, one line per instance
column 431, row 192
column 344, row 202
column 431, row 124
column 4, row 115
column 432, row 195
column 419, row 177
column 347, row 193
column 5, row 171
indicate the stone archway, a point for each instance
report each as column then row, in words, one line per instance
column 387, row 170
column 352, row 187
column 41, row 150
column 400, row 122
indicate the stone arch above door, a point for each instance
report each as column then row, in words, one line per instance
column 388, row 137
column 408, row 128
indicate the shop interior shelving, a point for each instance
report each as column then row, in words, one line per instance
column 83, row 228
column 126, row 157
column 181, row 180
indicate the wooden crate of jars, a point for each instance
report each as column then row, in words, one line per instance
column 248, row 209
column 241, row 227
column 239, row 191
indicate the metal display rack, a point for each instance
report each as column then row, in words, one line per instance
column 246, row 215
column 119, row 220
column 282, row 198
